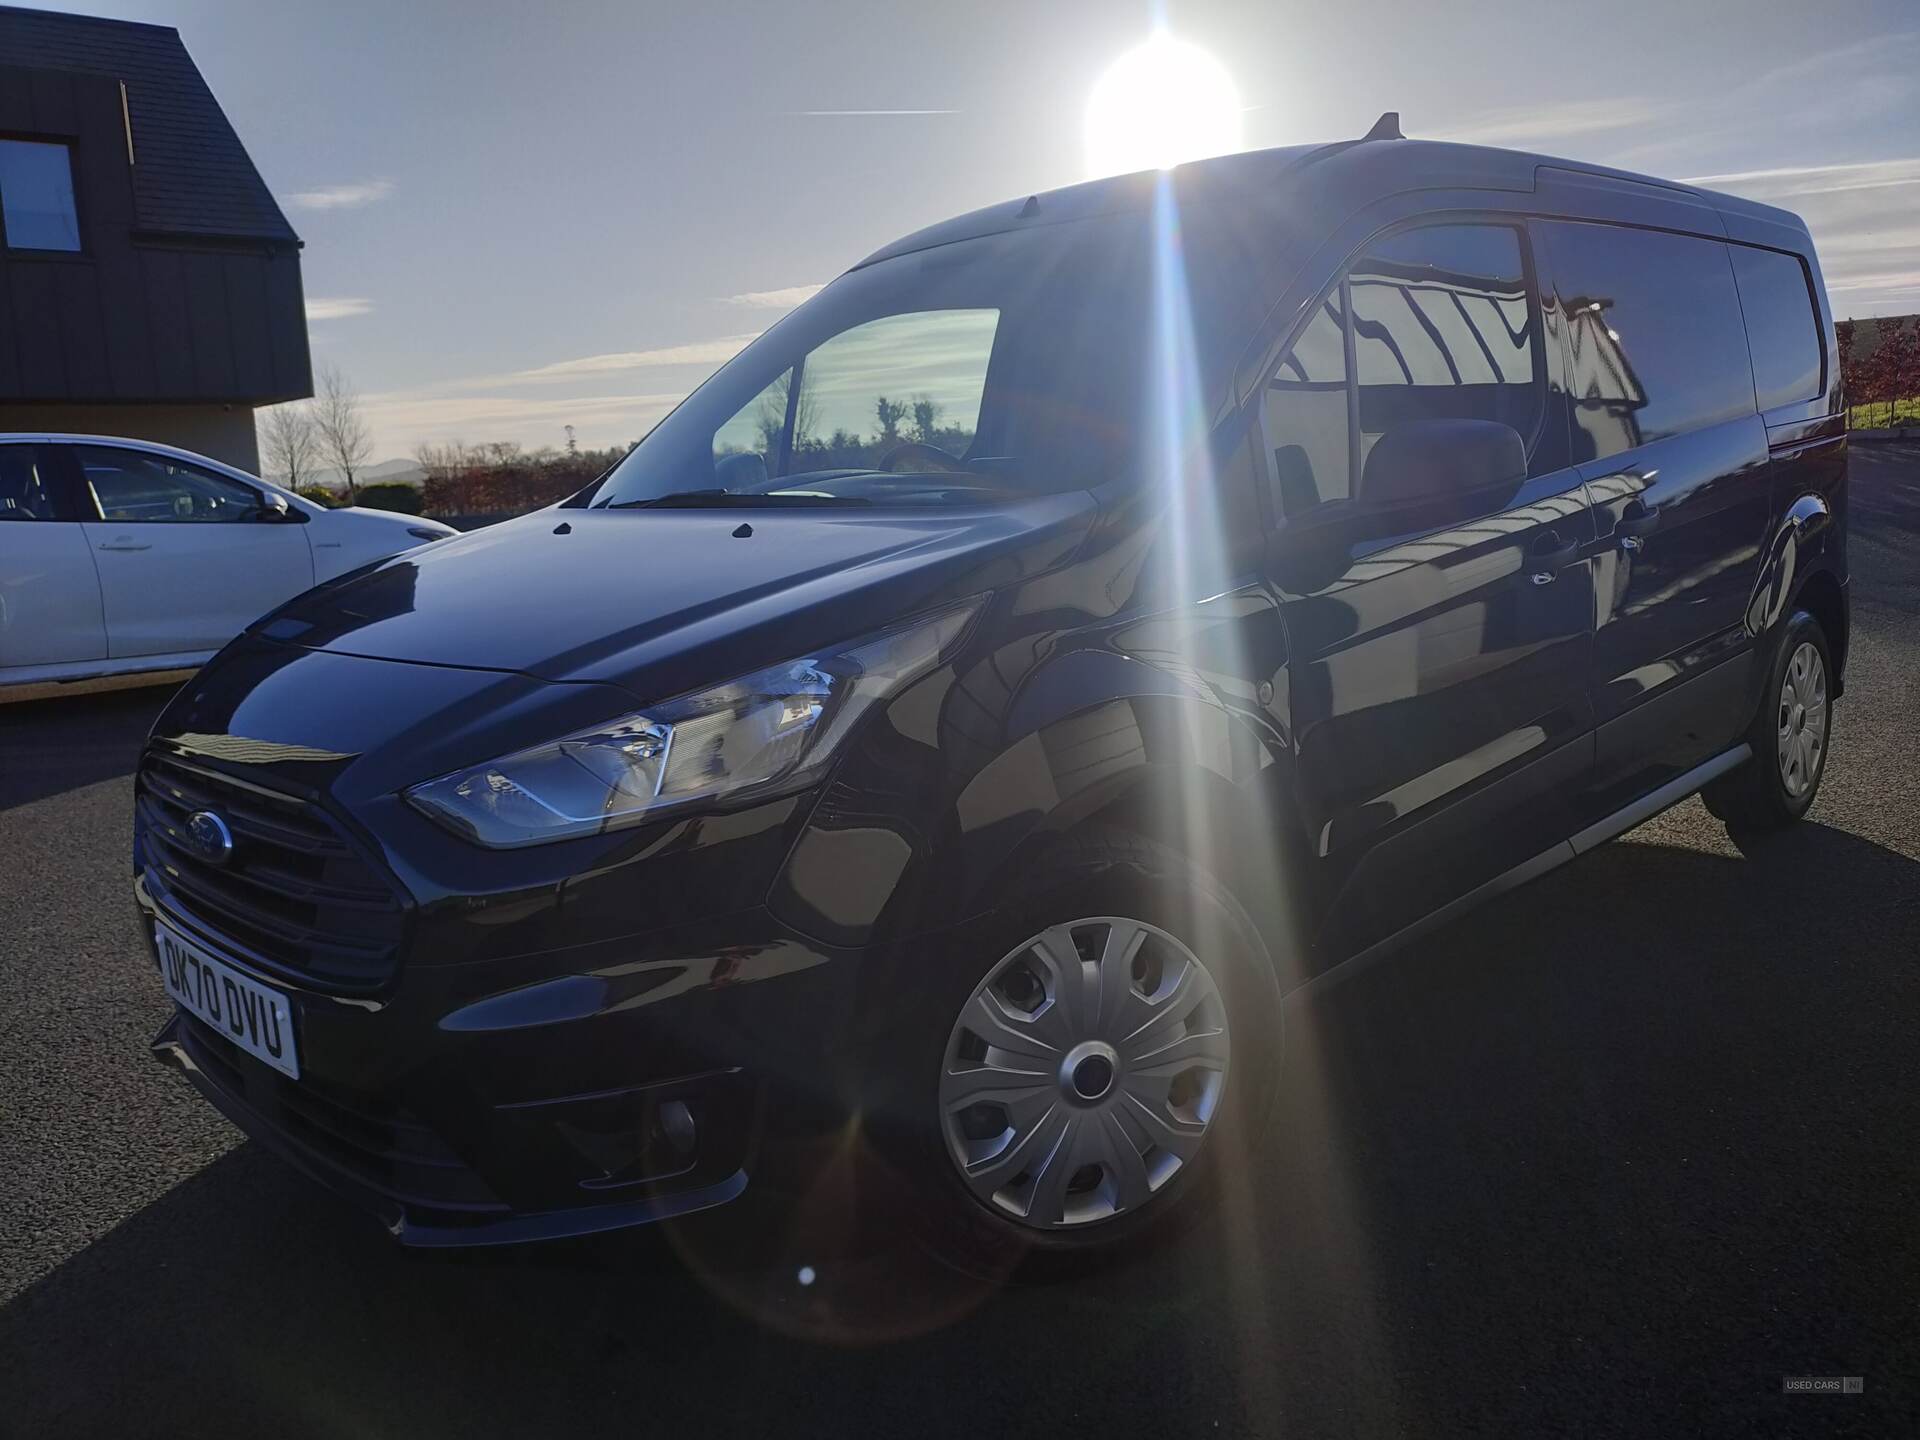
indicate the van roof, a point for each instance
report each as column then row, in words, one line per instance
column 1353, row 173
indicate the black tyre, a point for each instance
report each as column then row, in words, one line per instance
column 1790, row 735
column 1069, row 1085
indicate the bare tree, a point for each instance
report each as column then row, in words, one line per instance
column 926, row 418
column 890, row 413
column 342, row 428
column 290, row 441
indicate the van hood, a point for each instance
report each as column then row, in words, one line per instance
column 662, row 601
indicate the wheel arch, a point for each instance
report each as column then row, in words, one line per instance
column 1801, row 570
column 1171, row 766
column 1822, row 596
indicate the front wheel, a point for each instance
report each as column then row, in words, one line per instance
column 1091, row 1055
column 1789, row 736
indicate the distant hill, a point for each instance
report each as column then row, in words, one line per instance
column 386, row 472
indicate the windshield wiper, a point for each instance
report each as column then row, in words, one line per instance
column 727, row 499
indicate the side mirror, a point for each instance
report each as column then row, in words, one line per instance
column 1430, row 460
column 274, row 510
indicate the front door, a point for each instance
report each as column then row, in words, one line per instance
column 188, row 557
column 1439, row 644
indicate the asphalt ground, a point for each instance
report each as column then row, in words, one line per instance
column 1613, row 1155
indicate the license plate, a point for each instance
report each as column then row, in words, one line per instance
column 258, row 1020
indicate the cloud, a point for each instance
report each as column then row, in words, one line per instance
column 774, row 299
column 700, row 352
column 873, row 112
column 1865, row 219
column 342, row 197
column 1802, row 180
column 337, row 309
column 487, row 407
column 402, row 419
column 1531, row 125
column 413, row 410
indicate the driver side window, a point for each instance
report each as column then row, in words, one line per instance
column 130, row 485
column 1440, row 322
column 910, row 379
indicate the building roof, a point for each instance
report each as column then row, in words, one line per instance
column 191, row 174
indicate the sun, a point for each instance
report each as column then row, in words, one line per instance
column 1160, row 104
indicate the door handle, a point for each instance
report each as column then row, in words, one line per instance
column 1547, row 554
column 124, row 543
column 1638, row 519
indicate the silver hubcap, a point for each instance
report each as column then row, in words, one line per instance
column 1802, row 720
column 1083, row 1072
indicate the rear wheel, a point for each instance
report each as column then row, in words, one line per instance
column 1789, row 736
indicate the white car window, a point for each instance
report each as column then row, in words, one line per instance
column 127, row 485
column 26, row 490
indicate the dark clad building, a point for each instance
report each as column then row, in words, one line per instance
column 149, row 284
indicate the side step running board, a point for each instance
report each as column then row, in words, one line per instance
column 1552, row 858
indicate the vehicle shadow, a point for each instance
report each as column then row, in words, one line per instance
column 1615, row 1154
column 48, row 747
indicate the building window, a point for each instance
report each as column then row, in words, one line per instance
column 36, row 196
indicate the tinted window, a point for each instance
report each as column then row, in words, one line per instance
column 1783, row 333
column 26, row 485
column 1444, row 327
column 1655, row 344
column 36, row 196
column 132, row 485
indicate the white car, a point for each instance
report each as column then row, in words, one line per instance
column 118, row 556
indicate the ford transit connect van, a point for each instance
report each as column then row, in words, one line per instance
column 965, row 718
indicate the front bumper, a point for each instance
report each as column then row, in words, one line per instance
column 445, row 1204
column 578, row 1091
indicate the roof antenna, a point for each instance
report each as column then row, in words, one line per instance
column 1387, row 127
column 1032, row 207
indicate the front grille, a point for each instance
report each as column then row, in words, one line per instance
column 297, row 895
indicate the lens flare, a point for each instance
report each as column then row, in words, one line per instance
column 1158, row 105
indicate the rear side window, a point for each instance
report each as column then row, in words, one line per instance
column 26, row 484
column 1783, row 332
column 1444, row 326
column 1655, row 343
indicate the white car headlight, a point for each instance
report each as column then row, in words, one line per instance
column 767, row 732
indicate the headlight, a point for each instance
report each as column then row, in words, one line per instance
column 767, row 732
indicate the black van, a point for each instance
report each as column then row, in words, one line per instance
column 970, row 713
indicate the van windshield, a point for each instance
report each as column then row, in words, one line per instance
column 980, row 370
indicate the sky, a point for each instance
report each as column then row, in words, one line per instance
column 520, row 216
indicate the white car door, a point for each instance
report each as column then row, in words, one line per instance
column 188, row 557
column 49, row 591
